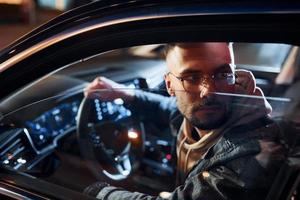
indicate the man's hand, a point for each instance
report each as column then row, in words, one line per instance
column 245, row 84
column 94, row 189
column 107, row 90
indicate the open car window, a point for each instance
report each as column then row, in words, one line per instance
column 124, row 134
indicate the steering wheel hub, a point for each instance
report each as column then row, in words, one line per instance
column 111, row 144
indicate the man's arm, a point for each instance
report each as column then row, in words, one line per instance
column 220, row 182
column 154, row 107
column 194, row 188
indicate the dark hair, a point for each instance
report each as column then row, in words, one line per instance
column 171, row 46
column 297, row 66
column 168, row 48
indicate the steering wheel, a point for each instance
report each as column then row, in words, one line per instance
column 114, row 146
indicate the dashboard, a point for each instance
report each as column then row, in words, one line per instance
column 30, row 147
column 52, row 124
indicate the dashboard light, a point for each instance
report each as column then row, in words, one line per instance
column 21, row 161
column 100, row 117
column 58, row 118
column 55, row 111
column 128, row 113
column 165, row 195
column 168, row 156
column 6, row 162
column 37, row 127
column 132, row 134
column 119, row 101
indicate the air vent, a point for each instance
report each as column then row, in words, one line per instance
column 15, row 150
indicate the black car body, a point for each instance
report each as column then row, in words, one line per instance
column 34, row 84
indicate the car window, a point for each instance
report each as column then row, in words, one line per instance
column 120, row 117
column 265, row 57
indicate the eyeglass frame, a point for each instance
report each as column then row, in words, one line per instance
column 181, row 79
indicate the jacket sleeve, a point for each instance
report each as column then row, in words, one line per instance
column 247, row 181
column 195, row 188
column 154, row 107
column 207, row 186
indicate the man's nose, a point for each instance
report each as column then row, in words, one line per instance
column 207, row 87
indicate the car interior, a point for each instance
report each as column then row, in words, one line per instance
column 50, row 131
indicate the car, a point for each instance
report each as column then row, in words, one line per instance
column 54, row 142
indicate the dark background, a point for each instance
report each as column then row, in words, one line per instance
column 18, row 17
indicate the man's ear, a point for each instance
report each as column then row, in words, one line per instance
column 168, row 83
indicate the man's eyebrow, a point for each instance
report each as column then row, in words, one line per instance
column 222, row 68
column 190, row 71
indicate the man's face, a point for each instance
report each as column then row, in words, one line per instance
column 202, row 107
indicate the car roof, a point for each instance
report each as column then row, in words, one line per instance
column 103, row 8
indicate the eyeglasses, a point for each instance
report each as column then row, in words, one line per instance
column 191, row 82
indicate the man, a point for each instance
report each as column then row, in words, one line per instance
column 227, row 147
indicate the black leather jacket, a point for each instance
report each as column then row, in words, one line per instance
column 242, row 165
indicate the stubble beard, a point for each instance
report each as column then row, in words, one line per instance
column 211, row 121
